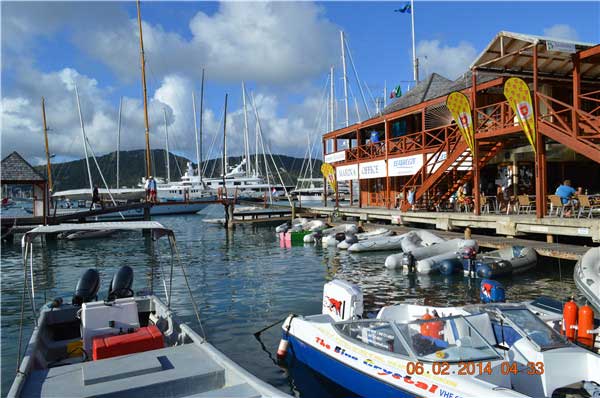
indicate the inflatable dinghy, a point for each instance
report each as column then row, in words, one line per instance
column 420, row 238
column 313, row 225
column 380, row 243
column 449, row 248
column 80, row 235
column 587, row 276
column 507, row 261
column 363, row 236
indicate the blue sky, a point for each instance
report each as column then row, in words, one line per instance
column 282, row 50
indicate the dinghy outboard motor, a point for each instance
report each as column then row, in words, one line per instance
column 469, row 254
column 351, row 239
column 87, row 287
column 120, row 285
column 408, row 261
column 340, row 236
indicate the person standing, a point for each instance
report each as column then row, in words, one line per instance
column 96, row 198
column 152, row 187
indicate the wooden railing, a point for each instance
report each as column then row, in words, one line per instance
column 494, row 117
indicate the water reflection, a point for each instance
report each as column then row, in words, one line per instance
column 242, row 281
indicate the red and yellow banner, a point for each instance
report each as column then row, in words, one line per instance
column 459, row 106
column 328, row 172
column 517, row 93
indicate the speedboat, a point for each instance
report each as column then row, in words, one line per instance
column 587, row 276
column 126, row 345
column 483, row 350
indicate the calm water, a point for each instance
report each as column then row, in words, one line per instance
column 242, row 281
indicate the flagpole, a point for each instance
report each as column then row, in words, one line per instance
column 414, row 50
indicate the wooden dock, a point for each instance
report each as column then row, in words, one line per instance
column 516, row 225
column 263, row 215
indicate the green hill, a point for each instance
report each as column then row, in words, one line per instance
column 72, row 175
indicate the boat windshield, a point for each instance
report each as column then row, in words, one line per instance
column 374, row 333
column 533, row 328
column 450, row 339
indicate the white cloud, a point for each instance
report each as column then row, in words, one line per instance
column 561, row 31
column 266, row 42
column 22, row 127
column 445, row 60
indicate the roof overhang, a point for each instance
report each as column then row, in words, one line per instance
column 158, row 230
column 513, row 52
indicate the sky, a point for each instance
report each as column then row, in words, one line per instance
column 282, row 50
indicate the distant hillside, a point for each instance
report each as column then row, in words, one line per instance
column 72, row 175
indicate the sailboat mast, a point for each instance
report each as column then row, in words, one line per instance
column 224, row 160
column 196, row 132
column 344, row 77
column 46, row 142
column 246, row 137
column 142, row 60
column 83, row 136
column 167, row 146
column 200, row 139
column 331, row 101
column 119, row 139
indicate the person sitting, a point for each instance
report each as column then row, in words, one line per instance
column 565, row 192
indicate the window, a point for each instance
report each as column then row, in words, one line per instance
column 377, row 334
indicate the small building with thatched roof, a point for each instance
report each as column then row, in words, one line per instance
column 14, row 170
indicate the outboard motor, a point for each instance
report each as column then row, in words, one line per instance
column 87, row 287
column 340, row 236
column 469, row 254
column 351, row 238
column 408, row 261
column 120, row 285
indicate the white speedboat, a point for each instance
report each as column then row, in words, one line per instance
column 492, row 350
column 587, row 276
column 124, row 345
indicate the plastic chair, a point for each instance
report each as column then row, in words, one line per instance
column 556, row 203
column 586, row 205
column 524, row 204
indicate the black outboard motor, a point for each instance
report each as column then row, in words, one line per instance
column 120, row 285
column 408, row 261
column 469, row 254
column 87, row 287
column 351, row 239
column 340, row 236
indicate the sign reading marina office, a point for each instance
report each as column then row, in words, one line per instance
column 376, row 169
column 339, row 156
column 346, row 173
column 405, row 166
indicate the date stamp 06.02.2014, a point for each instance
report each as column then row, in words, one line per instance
column 473, row 368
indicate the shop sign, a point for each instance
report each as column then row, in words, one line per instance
column 346, row 173
column 339, row 156
column 405, row 166
column 376, row 169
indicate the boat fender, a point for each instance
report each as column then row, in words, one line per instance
column 450, row 266
column 284, row 343
column 570, row 318
column 87, row 287
column 409, row 262
column 491, row 292
column 120, row 285
column 585, row 323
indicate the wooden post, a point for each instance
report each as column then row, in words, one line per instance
column 337, row 188
column 387, row 171
column 359, row 187
column 325, row 189
column 143, row 62
column 576, row 92
column 475, row 154
column 540, row 152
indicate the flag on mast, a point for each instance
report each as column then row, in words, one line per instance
column 406, row 9
column 397, row 92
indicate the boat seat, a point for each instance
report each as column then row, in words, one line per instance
column 173, row 371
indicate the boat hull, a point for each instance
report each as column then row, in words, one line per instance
column 351, row 379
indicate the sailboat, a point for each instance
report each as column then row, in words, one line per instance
column 172, row 199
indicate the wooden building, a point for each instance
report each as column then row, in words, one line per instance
column 14, row 170
column 415, row 144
